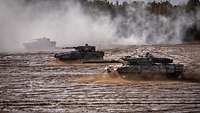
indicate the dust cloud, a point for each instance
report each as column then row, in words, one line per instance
column 68, row 25
column 146, row 28
column 65, row 23
column 120, row 79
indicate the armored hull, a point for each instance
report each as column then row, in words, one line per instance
column 76, row 55
column 169, row 70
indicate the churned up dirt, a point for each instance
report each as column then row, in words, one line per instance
column 38, row 83
column 103, row 79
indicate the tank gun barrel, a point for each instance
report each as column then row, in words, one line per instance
column 69, row 48
column 102, row 61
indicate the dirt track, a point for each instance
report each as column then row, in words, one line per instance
column 37, row 83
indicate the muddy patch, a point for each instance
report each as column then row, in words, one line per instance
column 119, row 79
column 103, row 78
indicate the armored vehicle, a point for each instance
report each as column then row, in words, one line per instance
column 81, row 53
column 41, row 44
column 148, row 65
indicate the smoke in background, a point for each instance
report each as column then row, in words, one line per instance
column 68, row 24
column 65, row 23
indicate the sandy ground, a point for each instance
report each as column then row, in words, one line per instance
column 38, row 83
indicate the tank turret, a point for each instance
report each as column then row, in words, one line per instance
column 85, row 48
column 148, row 65
column 147, row 59
column 81, row 53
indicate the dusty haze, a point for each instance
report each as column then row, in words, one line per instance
column 68, row 25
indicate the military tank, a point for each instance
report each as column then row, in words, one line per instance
column 81, row 53
column 41, row 44
column 148, row 65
